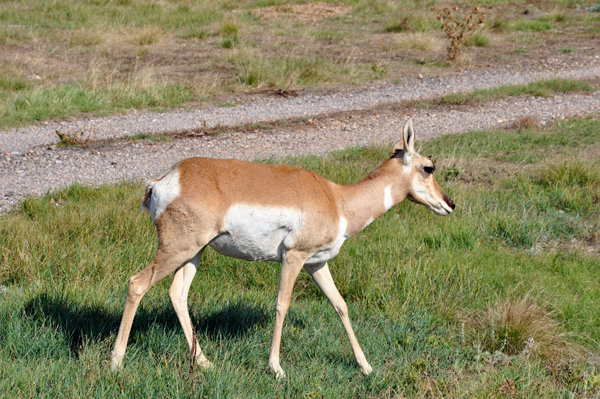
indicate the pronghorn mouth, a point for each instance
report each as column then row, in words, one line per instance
column 442, row 208
column 446, row 207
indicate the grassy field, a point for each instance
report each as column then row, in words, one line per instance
column 500, row 299
column 64, row 58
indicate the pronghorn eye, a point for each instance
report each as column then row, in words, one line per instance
column 429, row 169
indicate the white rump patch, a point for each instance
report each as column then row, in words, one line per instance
column 164, row 192
column 388, row 201
column 256, row 232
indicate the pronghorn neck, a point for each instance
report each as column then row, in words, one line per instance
column 365, row 201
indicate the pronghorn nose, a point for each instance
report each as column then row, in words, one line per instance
column 451, row 203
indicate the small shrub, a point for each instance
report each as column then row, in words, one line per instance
column 456, row 30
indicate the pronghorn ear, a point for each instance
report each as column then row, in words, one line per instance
column 398, row 148
column 409, row 138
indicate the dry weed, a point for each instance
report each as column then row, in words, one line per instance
column 76, row 136
column 458, row 30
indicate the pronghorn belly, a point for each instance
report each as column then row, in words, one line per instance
column 258, row 233
column 324, row 254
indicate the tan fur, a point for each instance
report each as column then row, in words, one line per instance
column 208, row 188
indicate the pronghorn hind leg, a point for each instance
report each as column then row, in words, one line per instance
column 163, row 264
column 322, row 277
column 178, row 293
column 291, row 267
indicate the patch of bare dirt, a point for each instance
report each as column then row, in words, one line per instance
column 589, row 245
column 303, row 12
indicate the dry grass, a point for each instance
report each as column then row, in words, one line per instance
column 303, row 12
column 85, row 37
column 146, row 36
column 419, row 41
column 517, row 327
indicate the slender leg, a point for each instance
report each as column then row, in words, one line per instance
column 178, row 293
column 164, row 263
column 292, row 264
column 322, row 277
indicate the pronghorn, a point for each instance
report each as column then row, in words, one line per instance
column 275, row 213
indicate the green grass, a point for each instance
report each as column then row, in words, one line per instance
column 478, row 40
column 29, row 103
column 530, row 25
column 432, row 299
column 272, row 72
column 540, row 88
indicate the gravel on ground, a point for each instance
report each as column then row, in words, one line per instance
column 31, row 163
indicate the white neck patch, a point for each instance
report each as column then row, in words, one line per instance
column 388, row 201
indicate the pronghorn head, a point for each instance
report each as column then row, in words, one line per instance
column 417, row 170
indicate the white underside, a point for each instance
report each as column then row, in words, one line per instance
column 266, row 233
column 440, row 207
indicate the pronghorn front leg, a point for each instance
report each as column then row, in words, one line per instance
column 292, row 264
column 178, row 293
column 322, row 277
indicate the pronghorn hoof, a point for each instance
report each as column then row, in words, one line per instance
column 278, row 371
column 205, row 364
column 115, row 363
column 367, row 369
